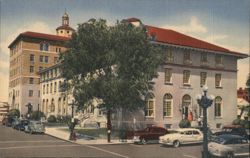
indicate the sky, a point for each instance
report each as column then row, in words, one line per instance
column 222, row 22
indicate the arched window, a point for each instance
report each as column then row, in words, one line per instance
column 43, row 106
column 167, row 105
column 217, row 106
column 47, row 104
column 186, row 102
column 150, row 102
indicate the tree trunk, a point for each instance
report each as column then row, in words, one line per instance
column 109, row 125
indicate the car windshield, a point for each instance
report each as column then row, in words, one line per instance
column 218, row 140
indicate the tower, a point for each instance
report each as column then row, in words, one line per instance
column 64, row 30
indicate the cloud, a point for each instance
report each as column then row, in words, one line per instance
column 215, row 38
column 194, row 26
column 37, row 26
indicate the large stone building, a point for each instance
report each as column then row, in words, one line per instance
column 31, row 52
column 191, row 63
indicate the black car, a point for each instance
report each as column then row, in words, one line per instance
column 21, row 125
column 234, row 130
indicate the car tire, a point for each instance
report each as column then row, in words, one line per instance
column 176, row 143
column 143, row 141
column 229, row 155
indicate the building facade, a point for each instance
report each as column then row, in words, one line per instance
column 190, row 64
column 31, row 52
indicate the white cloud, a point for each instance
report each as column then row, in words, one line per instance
column 194, row 26
column 4, row 61
column 215, row 38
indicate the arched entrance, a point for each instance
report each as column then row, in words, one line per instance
column 186, row 104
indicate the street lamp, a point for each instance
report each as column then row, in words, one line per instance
column 72, row 125
column 205, row 102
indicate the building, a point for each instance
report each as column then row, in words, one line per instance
column 31, row 52
column 190, row 63
column 4, row 109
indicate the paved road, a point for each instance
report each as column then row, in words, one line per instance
column 15, row 143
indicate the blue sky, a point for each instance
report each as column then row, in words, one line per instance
column 222, row 22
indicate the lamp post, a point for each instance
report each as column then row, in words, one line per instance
column 205, row 102
column 72, row 125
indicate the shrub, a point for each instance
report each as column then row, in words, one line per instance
column 14, row 113
column 36, row 115
column 184, row 123
column 51, row 119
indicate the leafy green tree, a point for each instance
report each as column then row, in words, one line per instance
column 112, row 63
column 248, row 86
column 14, row 113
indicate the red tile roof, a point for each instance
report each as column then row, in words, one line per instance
column 40, row 36
column 176, row 38
column 172, row 37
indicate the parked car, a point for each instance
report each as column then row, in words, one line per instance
column 15, row 122
column 234, row 130
column 35, row 127
column 149, row 134
column 182, row 136
column 7, row 121
column 229, row 146
column 21, row 125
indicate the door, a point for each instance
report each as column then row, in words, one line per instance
column 187, row 137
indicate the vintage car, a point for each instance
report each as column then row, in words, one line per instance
column 234, row 130
column 35, row 127
column 229, row 146
column 182, row 136
column 149, row 134
column 21, row 125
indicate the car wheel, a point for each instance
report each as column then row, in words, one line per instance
column 176, row 143
column 230, row 155
column 143, row 141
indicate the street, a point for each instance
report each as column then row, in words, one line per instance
column 15, row 143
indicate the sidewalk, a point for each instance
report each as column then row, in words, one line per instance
column 64, row 135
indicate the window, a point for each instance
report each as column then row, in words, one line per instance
column 58, row 49
column 60, row 86
column 38, row 93
column 187, row 58
column 32, row 57
column 31, row 69
column 47, row 89
column 217, row 106
column 55, row 86
column 51, row 87
column 41, row 58
column 149, row 111
column 44, row 46
column 203, row 78
column 217, row 80
column 55, row 72
column 46, row 59
column 51, row 73
column 43, row 89
column 168, row 75
column 218, row 59
column 186, row 77
column 204, row 58
column 52, row 106
column 167, row 105
column 169, row 56
column 31, row 81
column 30, row 93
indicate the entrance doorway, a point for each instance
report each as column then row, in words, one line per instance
column 186, row 103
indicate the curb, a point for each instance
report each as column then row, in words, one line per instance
column 89, row 142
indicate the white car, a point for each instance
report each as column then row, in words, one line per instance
column 182, row 136
column 229, row 146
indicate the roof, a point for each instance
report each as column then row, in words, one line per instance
column 229, row 136
column 172, row 37
column 40, row 36
column 175, row 38
column 66, row 27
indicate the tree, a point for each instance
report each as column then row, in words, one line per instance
column 248, row 86
column 112, row 63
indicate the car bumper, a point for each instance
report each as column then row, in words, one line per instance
column 165, row 142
